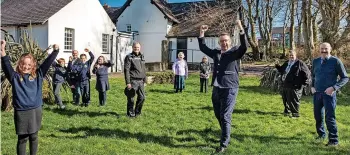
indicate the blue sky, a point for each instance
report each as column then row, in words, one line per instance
column 121, row 2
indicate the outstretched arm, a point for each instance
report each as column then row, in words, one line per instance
column 5, row 62
column 201, row 42
column 242, row 49
column 92, row 58
column 45, row 66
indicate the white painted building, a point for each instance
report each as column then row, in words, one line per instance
column 154, row 20
column 72, row 24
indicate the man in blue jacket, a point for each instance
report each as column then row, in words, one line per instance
column 225, row 76
column 325, row 72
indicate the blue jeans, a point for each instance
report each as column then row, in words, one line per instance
column 326, row 103
column 224, row 100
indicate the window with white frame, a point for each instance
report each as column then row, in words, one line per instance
column 128, row 27
column 68, row 39
column 105, row 43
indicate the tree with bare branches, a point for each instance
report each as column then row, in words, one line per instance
column 333, row 13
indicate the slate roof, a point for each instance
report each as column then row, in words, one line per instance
column 160, row 4
column 23, row 12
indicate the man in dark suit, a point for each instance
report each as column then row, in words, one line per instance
column 295, row 76
column 225, row 76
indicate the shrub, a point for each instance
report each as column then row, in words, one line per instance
column 15, row 50
column 160, row 77
column 271, row 80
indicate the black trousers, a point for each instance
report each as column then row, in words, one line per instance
column 102, row 95
column 204, row 83
column 33, row 143
column 291, row 100
column 138, row 86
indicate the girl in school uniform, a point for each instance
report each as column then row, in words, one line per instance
column 102, row 84
column 180, row 70
column 204, row 74
column 27, row 82
column 61, row 75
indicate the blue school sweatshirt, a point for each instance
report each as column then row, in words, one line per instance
column 27, row 90
column 325, row 74
column 81, row 70
column 61, row 73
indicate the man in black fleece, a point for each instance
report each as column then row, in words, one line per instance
column 135, row 77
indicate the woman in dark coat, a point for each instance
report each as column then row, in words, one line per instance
column 204, row 69
column 102, row 84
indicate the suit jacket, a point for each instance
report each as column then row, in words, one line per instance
column 225, row 64
column 298, row 75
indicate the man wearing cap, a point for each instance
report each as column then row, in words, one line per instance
column 135, row 77
column 225, row 76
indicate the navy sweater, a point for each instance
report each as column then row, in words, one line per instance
column 102, row 71
column 325, row 74
column 61, row 73
column 81, row 70
column 26, row 89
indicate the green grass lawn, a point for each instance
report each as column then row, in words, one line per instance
column 180, row 124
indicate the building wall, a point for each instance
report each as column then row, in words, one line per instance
column 149, row 22
column 89, row 21
column 193, row 52
column 38, row 32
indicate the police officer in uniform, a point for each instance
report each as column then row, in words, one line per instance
column 135, row 77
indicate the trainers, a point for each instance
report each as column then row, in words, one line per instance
column 332, row 144
column 295, row 115
column 220, row 149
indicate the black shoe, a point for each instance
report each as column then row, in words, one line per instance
column 220, row 149
column 332, row 144
column 130, row 115
column 295, row 115
column 286, row 113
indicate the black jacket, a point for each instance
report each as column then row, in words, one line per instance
column 226, row 64
column 298, row 75
column 134, row 67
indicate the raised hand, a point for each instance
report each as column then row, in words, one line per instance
column 204, row 28
column 86, row 50
column 3, row 44
column 56, row 47
column 70, row 58
column 239, row 24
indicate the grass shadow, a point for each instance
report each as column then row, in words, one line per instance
column 257, row 89
column 246, row 111
column 71, row 112
column 161, row 91
column 118, row 133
